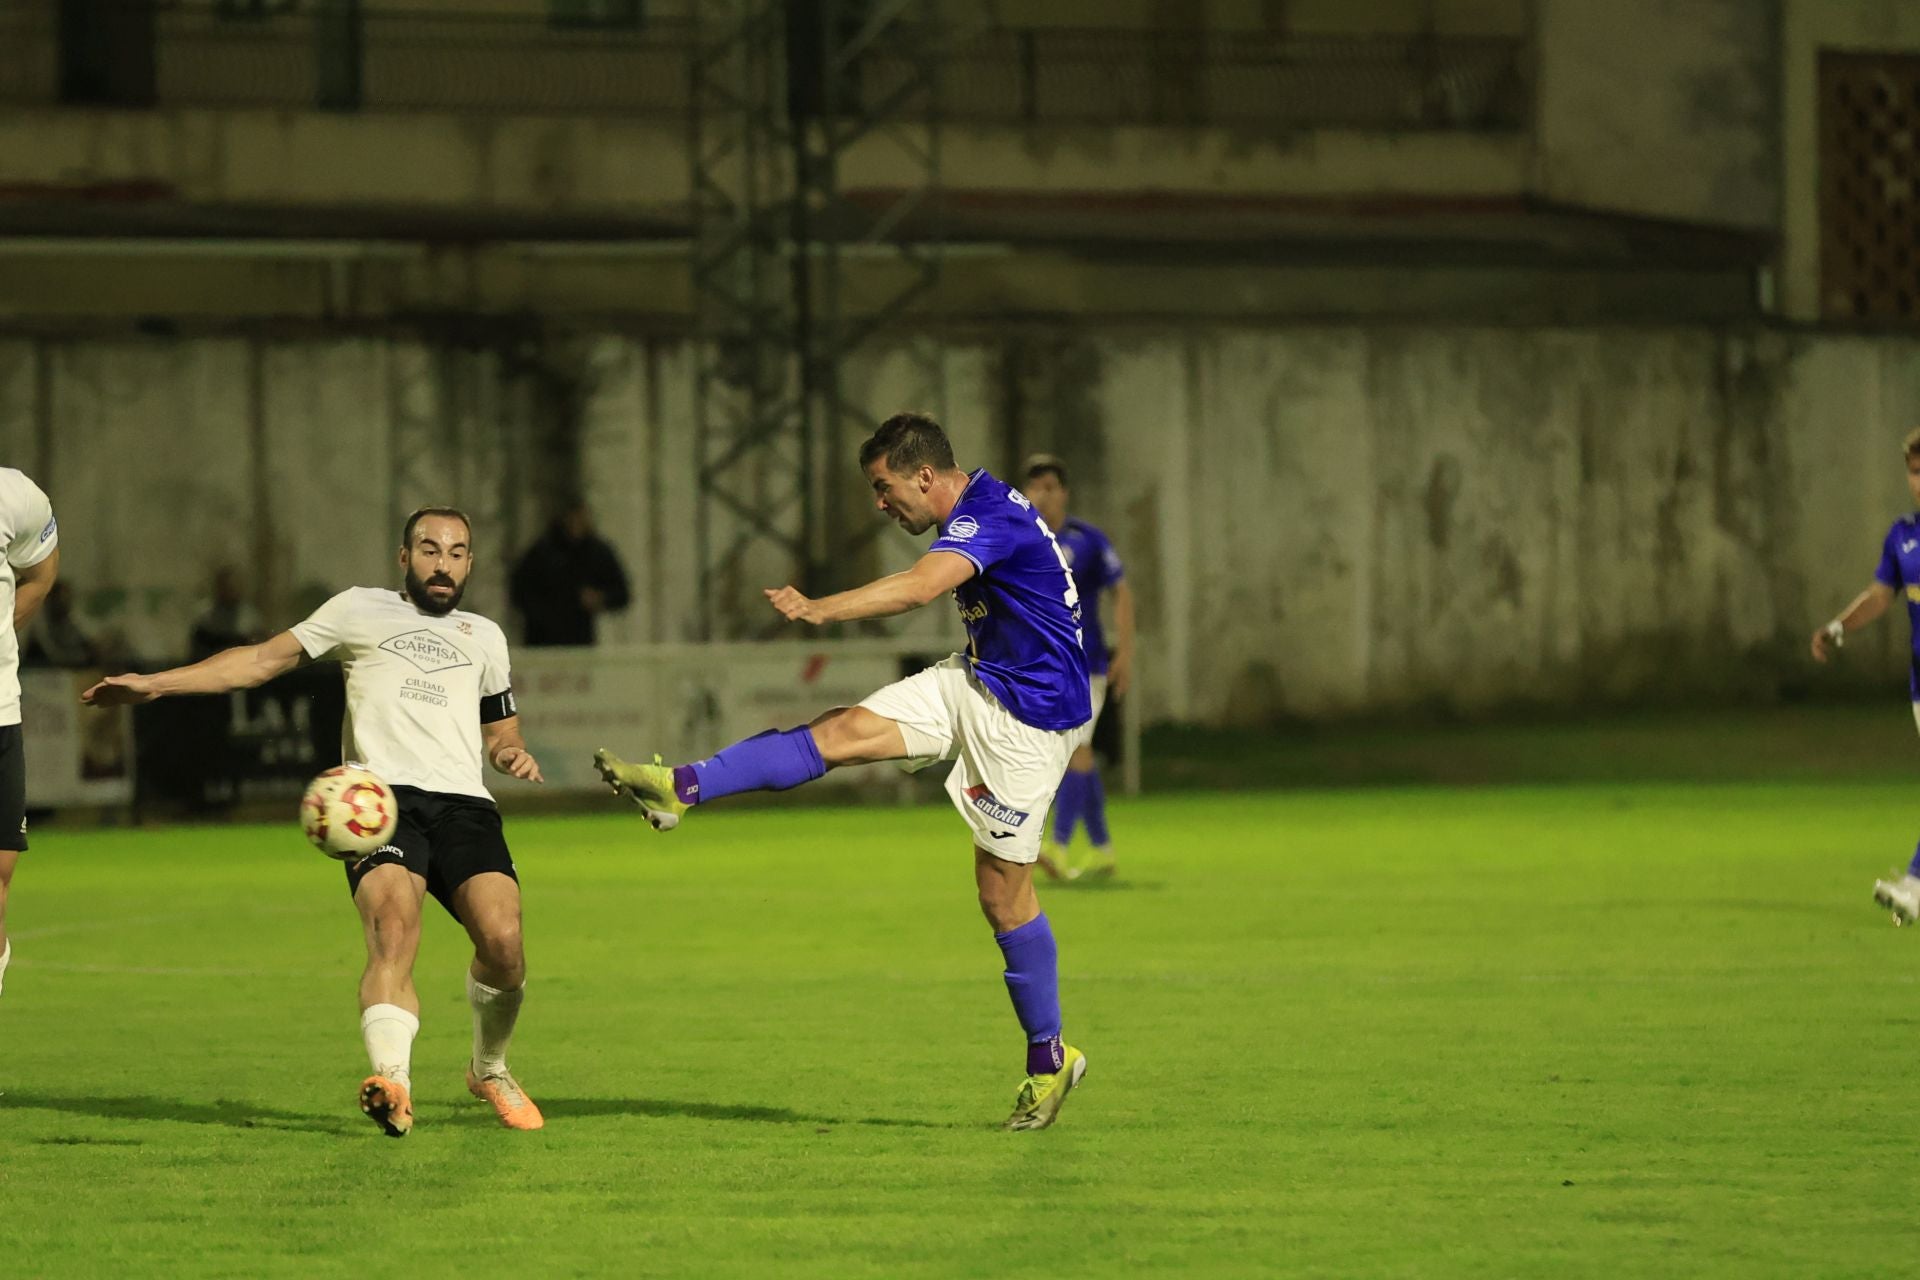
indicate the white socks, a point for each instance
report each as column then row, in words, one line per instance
column 5, row 956
column 388, row 1031
column 494, row 1013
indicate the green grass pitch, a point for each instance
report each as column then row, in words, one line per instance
column 1580, row 1030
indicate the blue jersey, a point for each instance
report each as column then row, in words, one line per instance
column 1900, row 569
column 1020, row 607
column 1096, row 568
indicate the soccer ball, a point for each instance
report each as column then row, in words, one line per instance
column 348, row 813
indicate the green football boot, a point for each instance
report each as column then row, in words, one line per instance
column 650, row 786
column 1039, row 1099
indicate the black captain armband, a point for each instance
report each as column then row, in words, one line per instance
column 497, row 706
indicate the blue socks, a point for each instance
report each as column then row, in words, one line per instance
column 1913, row 868
column 1033, row 980
column 770, row 761
column 1096, row 810
column 1067, row 805
column 1084, row 796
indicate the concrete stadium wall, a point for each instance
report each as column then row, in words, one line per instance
column 1319, row 521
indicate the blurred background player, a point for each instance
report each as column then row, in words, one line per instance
column 1006, row 713
column 1096, row 570
column 428, row 691
column 31, row 537
column 1898, row 572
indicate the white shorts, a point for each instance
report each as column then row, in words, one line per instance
column 1083, row 736
column 1005, row 771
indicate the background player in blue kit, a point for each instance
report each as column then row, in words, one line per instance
column 1096, row 569
column 1007, row 712
column 1898, row 573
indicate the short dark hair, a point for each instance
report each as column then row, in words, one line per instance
column 908, row 441
column 1911, row 449
column 406, row 532
column 1047, row 464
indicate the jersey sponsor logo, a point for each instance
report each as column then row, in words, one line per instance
column 423, row 691
column 982, row 799
column 962, row 528
column 427, row 651
column 973, row 612
column 52, row 524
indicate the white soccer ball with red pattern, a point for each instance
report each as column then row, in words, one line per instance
column 348, row 813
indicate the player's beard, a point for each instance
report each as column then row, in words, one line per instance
column 418, row 593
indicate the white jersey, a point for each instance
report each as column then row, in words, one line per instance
column 414, row 684
column 29, row 534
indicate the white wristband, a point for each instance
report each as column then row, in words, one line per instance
column 1837, row 632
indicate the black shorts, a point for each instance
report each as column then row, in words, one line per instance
column 445, row 839
column 13, row 788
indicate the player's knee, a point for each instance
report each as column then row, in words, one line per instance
column 1081, row 761
column 835, row 735
column 500, row 951
column 393, row 927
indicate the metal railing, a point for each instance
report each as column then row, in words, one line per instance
column 302, row 58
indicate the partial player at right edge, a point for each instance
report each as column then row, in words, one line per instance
column 1899, row 573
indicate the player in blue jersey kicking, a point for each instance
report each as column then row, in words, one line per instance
column 1007, row 712
column 1897, row 574
column 1096, row 569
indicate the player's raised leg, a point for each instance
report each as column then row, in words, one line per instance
column 489, row 906
column 776, row 760
column 1033, row 982
column 388, row 898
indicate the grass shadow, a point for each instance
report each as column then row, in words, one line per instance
column 1100, row 884
column 233, row 1115
column 567, row 1108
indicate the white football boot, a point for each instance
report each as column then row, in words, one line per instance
column 1901, row 897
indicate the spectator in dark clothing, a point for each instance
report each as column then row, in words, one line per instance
column 54, row 638
column 566, row 580
column 228, row 622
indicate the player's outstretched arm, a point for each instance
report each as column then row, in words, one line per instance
column 932, row 576
column 507, row 750
column 242, row 667
column 1866, row 608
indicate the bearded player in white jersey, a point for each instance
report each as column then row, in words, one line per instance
column 428, row 697
column 29, row 562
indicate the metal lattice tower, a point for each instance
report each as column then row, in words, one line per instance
column 782, row 91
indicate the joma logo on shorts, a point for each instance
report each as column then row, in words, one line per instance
column 426, row 651
column 982, row 799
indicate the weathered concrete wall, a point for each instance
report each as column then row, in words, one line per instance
column 1661, row 108
column 1319, row 521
